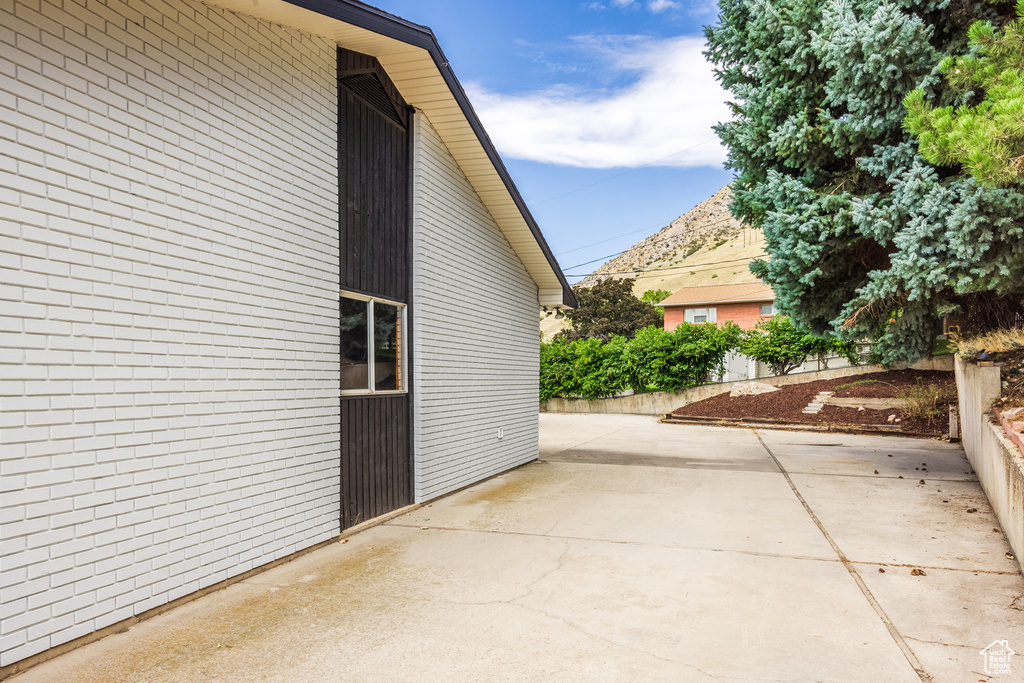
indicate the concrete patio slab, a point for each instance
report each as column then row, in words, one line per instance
column 740, row 511
column 588, row 571
column 948, row 617
column 566, row 431
column 858, row 455
column 931, row 608
column 641, row 440
column 682, row 605
column 904, row 522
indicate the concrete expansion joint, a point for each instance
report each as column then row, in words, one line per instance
column 883, row 476
column 584, row 539
column 965, row 570
column 894, row 633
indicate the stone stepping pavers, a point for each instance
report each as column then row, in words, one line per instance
column 817, row 403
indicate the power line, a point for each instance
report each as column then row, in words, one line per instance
column 697, row 267
column 618, row 175
column 619, row 253
column 661, row 224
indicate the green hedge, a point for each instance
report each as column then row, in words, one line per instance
column 654, row 360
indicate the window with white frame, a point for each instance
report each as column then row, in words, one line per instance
column 701, row 315
column 372, row 335
column 768, row 309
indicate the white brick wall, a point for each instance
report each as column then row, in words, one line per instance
column 168, row 306
column 475, row 332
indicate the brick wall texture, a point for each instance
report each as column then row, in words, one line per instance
column 168, row 306
column 745, row 314
column 475, row 332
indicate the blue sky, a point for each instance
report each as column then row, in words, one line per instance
column 601, row 109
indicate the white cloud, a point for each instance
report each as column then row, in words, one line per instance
column 667, row 109
column 693, row 7
column 658, row 6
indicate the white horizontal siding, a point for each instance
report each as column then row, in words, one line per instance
column 168, row 306
column 475, row 332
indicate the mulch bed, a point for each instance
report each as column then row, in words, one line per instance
column 787, row 404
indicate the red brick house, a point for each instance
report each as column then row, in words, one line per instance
column 745, row 305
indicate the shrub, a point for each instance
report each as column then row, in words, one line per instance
column 783, row 346
column 654, row 360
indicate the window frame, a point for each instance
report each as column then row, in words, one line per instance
column 710, row 315
column 403, row 370
column 769, row 314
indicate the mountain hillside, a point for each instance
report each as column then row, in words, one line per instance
column 706, row 246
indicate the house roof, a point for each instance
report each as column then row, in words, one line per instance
column 416, row 65
column 720, row 294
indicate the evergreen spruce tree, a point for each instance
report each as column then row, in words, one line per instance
column 866, row 238
column 986, row 139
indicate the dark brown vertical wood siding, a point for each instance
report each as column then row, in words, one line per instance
column 373, row 152
column 374, row 236
column 374, row 464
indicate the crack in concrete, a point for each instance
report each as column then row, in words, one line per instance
column 558, row 565
column 579, row 629
column 936, row 642
column 527, row 589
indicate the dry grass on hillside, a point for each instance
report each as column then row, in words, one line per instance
column 728, row 263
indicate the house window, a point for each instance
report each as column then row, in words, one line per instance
column 701, row 315
column 767, row 309
column 372, row 335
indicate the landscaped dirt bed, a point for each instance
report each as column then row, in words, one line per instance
column 788, row 403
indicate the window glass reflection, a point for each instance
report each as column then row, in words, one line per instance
column 354, row 340
column 387, row 351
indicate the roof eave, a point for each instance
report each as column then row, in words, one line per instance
column 554, row 291
column 726, row 301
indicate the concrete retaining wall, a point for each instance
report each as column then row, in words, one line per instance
column 662, row 402
column 997, row 461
